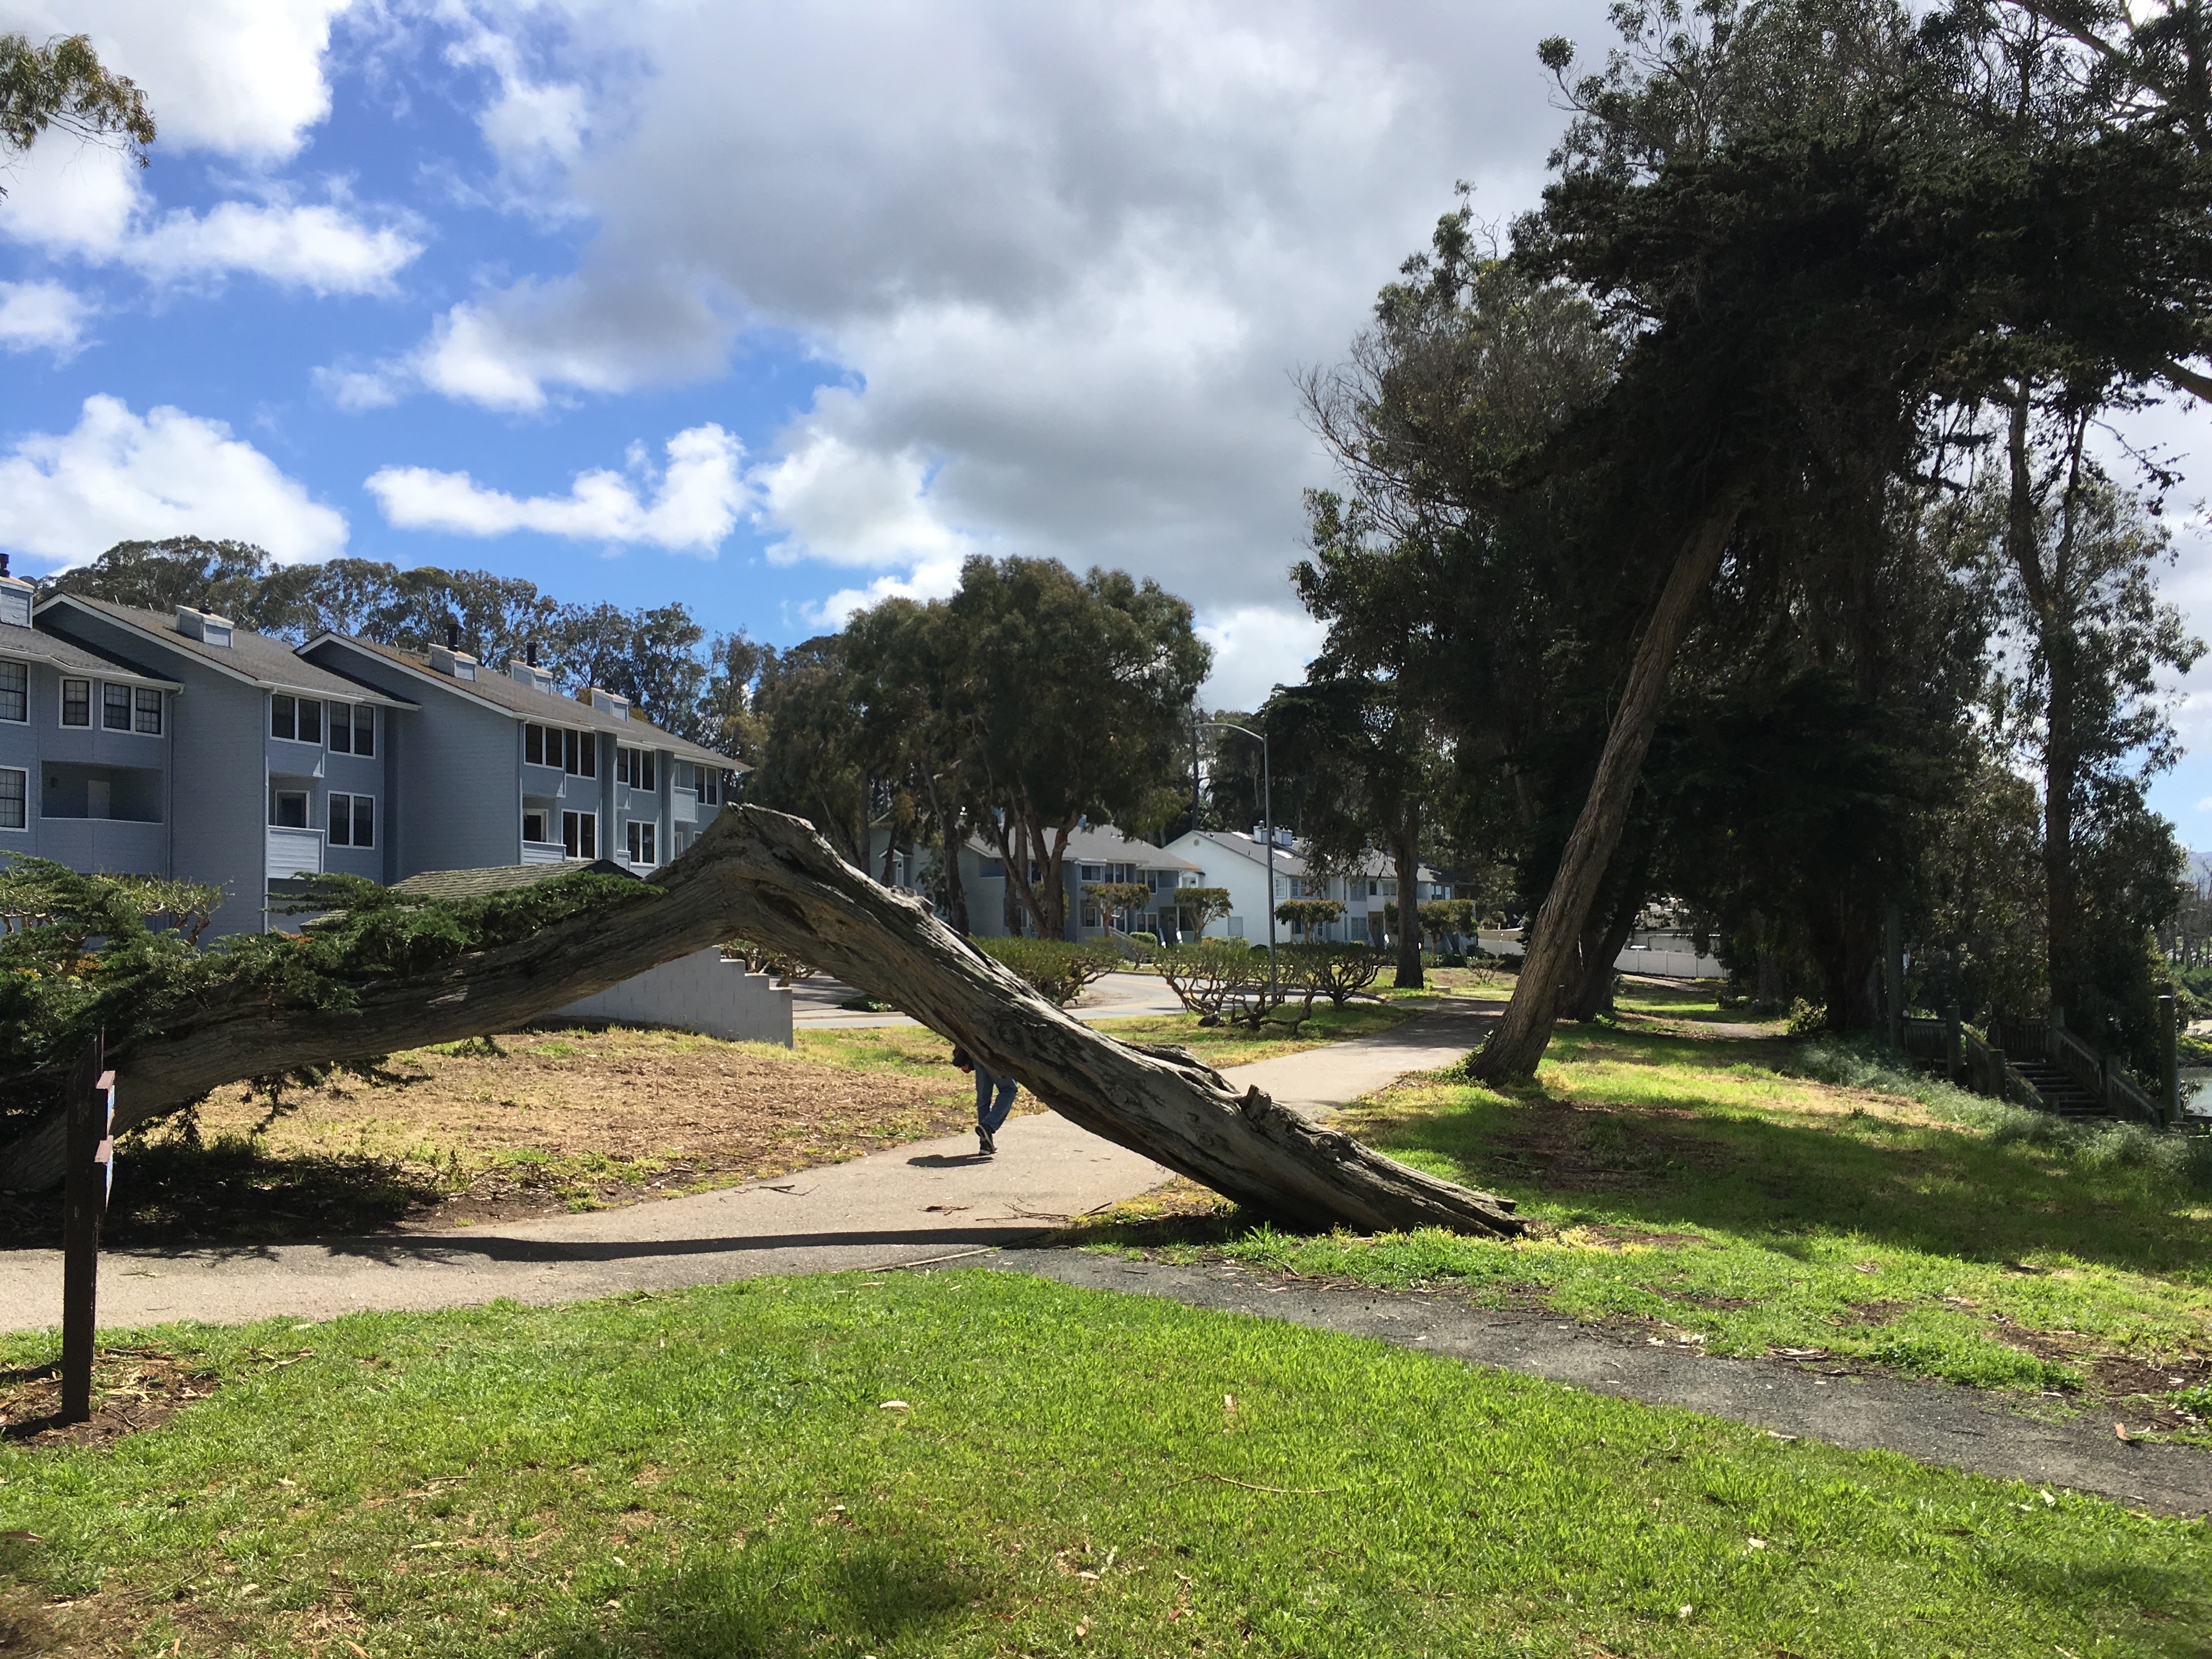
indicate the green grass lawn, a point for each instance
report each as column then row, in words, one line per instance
column 1702, row 1181
column 976, row 1463
column 919, row 1050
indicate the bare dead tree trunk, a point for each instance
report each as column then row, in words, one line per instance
column 772, row 878
column 1517, row 1044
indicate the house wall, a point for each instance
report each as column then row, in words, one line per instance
column 704, row 992
column 453, row 772
column 58, row 761
column 219, row 804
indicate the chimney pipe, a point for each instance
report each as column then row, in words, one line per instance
column 452, row 636
column 529, row 650
column 3, row 564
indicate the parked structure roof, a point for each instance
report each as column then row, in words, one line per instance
column 74, row 659
column 1104, row 845
column 498, row 689
column 256, row 657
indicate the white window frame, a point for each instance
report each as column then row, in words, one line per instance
column 352, row 798
column 107, row 686
column 139, row 694
column 61, row 709
column 542, row 815
column 642, row 839
column 24, row 719
column 24, row 827
column 331, row 727
column 307, row 808
column 573, row 846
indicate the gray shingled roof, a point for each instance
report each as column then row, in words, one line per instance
column 267, row 662
column 72, row 658
column 500, row 878
column 1104, row 845
column 501, row 690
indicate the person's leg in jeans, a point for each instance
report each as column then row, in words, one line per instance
column 994, row 1099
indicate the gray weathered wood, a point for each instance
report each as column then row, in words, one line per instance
column 773, row 880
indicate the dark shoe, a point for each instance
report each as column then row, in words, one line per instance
column 985, row 1145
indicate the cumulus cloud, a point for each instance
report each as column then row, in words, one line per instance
column 237, row 78
column 117, row 476
column 1255, row 647
column 1067, row 257
column 88, row 203
column 40, row 317
column 693, row 502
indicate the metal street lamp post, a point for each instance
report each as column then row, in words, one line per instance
column 1267, row 831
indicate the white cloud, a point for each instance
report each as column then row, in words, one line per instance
column 1066, row 257
column 930, row 579
column 116, row 477
column 88, row 203
column 849, row 504
column 239, row 78
column 694, row 506
column 40, row 317
column 1256, row 648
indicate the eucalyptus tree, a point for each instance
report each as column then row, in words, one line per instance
column 1073, row 707
column 62, row 85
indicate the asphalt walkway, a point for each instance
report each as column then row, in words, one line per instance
column 927, row 1200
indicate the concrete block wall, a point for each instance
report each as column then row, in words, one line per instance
column 704, row 992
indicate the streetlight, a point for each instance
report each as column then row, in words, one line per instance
column 1267, row 829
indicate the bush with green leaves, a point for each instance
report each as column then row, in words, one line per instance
column 1055, row 970
column 2169, row 1160
column 1338, row 972
column 92, row 957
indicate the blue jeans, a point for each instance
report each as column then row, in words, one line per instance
column 995, row 1098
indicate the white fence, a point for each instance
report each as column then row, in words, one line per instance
column 705, row 992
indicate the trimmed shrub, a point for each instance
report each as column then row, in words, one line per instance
column 1055, row 970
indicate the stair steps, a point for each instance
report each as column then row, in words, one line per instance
column 2064, row 1097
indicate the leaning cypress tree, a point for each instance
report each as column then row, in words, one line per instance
column 1815, row 246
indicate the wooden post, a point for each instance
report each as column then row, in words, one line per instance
column 90, row 1107
column 1893, row 973
column 1955, row 1054
column 2169, row 1061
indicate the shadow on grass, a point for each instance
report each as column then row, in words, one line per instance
column 785, row 1594
column 1914, row 1187
column 233, row 1191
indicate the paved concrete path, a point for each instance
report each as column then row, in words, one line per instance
column 1930, row 1422
column 929, row 1200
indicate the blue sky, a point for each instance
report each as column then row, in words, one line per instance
column 765, row 308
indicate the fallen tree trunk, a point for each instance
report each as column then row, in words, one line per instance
column 773, row 880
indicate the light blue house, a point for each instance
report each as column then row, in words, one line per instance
column 182, row 745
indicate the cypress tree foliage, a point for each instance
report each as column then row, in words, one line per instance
column 1816, row 241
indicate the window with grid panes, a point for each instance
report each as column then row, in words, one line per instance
column 114, row 708
column 76, row 702
column 15, row 690
column 146, row 712
column 14, row 791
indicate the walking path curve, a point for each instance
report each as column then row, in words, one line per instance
column 935, row 1204
column 925, row 1201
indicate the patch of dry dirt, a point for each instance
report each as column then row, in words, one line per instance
column 1561, row 1145
column 132, row 1389
column 531, row 1123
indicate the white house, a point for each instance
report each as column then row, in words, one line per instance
column 1238, row 862
column 1094, row 855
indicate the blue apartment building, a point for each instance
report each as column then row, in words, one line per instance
column 134, row 741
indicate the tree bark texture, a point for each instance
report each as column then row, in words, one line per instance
column 1518, row 1043
column 1406, row 857
column 775, row 880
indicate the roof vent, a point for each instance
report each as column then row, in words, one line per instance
column 459, row 664
column 205, row 626
column 529, row 674
column 15, row 595
column 607, row 703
